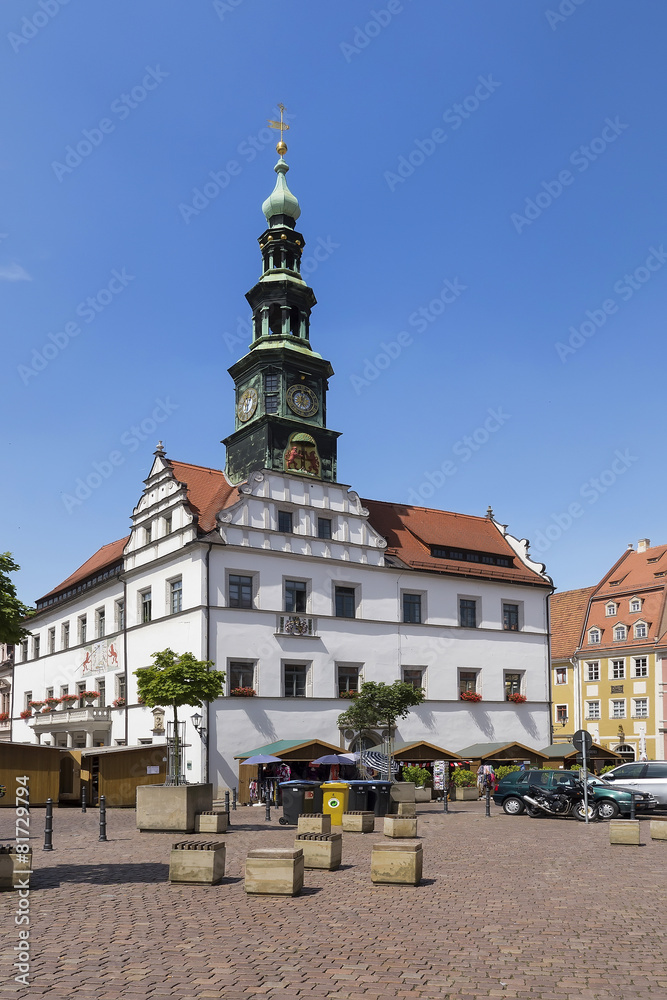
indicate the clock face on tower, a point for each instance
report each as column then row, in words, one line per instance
column 247, row 404
column 302, row 400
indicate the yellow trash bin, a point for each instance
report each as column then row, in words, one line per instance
column 334, row 800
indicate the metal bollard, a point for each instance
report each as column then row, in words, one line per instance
column 488, row 801
column 83, row 798
column 103, row 818
column 445, row 797
column 48, row 826
column 233, row 800
column 267, row 815
column 632, row 805
column 227, row 806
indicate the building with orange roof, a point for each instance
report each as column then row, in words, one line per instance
column 609, row 644
column 289, row 582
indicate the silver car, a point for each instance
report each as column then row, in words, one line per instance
column 642, row 776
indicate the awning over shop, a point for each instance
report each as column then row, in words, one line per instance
column 502, row 753
column 422, row 752
column 568, row 753
column 291, row 750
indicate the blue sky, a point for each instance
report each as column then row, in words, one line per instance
column 483, row 184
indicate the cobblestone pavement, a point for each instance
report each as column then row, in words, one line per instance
column 509, row 907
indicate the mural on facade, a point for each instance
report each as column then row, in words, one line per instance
column 99, row 657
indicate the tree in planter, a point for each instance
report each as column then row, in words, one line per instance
column 177, row 680
column 380, row 704
column 12, row 611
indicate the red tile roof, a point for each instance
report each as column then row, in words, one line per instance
column 106, row 556
column 411, row 531
column 209, row 491
column 567, row 617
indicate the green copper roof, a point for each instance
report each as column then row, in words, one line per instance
column 281, row 201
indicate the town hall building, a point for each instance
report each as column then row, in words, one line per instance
column 288, row 581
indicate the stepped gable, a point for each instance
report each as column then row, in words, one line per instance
column 412, row 532
column 568, row 615
column 208, row 491
column 108, row 555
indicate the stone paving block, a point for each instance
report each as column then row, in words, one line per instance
column 314, row 823
column 197, row 861
column 320, row 850
column 358, row 821
column 274, row 871
column 400, row 826
column 624, row 831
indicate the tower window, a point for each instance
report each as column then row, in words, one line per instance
column 271, row 397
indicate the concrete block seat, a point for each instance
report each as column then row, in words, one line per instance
column 398, row 861
column 13, row 867
column 314, row 823
column 197, row 861
column 400, row 826
column 274, row 871
column 358, row 821
column 659, row 829
column 211, row 822
column 320, row 850
column 624, row 831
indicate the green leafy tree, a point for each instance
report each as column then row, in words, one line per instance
column 177, row 680
column 380, row 704
column 12, row 611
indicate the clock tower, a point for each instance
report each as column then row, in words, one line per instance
column 281, row 383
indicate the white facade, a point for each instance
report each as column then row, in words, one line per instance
column 186, row 572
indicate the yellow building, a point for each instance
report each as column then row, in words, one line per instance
column 609, row 652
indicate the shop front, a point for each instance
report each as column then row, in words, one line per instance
column 294, row 761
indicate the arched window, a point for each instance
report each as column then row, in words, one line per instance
column 620, row 633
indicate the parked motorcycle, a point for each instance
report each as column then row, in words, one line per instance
column 565, row 800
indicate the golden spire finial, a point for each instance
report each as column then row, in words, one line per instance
column 281, row 148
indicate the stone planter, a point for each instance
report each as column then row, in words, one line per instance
column 197, row 861
column 172, row 807
column 466, row 794
column 401, row 791
column 358, row 822
column 14, row 867
column 400, row 826
column 274, row 871
column 320, row 850
column 399, row 862
column 314, row 823
column 422, row 794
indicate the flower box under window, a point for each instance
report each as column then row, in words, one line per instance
column 244, row 692
column 470, row 696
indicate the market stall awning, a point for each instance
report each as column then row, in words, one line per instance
column 501, row 752
column 291, row 750
column 568, row 751
column 419, row 751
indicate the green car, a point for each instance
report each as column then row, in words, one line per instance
column 611, row 800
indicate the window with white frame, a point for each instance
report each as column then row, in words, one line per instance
column 617, row 670
column 295, row 678
column 241, row 674
column 175, row 596
column 64, row 635
column 285, row 521
column 82, row 628
column 52, row 640
column 610, row 609
column 635, row 605
column 592, row 709
column 120, row 685
column 594, row 637
column 641, row 666
column 561, row 714
column 468, row 681
column 348, row 679
column 36, row 643
column 345, row 602
column 27, row 698
column 640, row 708
column 561, row 675
column 239, row 591
column 324, row 527
column 100, row 623
column 120, row 615
column 617, row 708
column 620, row 633
column 413, row 676
column 24, row 650
column 148, row 534
column 412, row 608
column 511, row 617
column 145, row 606
column 468, row 613
column 641, row 630
column 167, row 524
column 593, row 671
column 513, row 682
column 296, row 596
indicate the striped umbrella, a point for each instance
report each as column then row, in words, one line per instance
column 378, row 761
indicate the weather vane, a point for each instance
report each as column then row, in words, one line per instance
column 281, row 148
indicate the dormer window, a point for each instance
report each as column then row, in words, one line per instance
column 641, row 630
column 620, row 633
column 610, row 609
column 635, row 605
column 594, row 636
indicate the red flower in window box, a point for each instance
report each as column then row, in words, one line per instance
column 4, row 716
column 348, row 694
column 118, row 702
column 246, row 692
column 517, row 698
column 470, row 696
column 27, row 714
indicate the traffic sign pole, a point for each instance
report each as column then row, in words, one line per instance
column 583, row 741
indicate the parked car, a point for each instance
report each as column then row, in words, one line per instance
column 610, row 799
column 642, row 776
